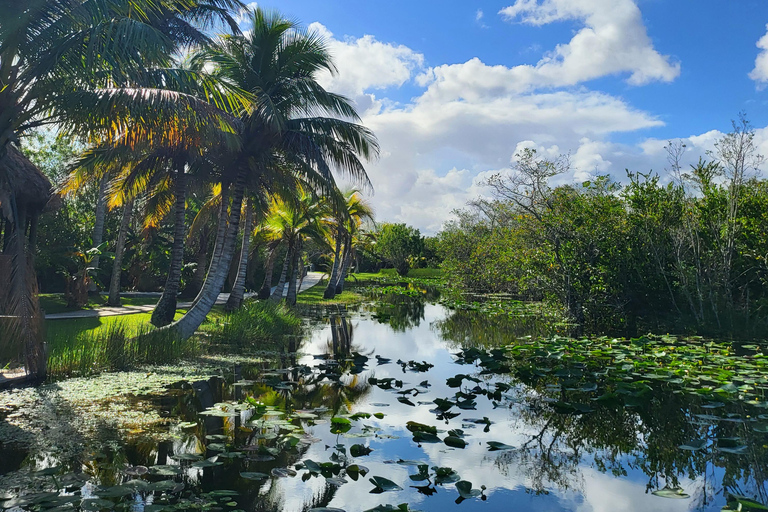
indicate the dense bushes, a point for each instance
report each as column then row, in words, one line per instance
column 687, row 255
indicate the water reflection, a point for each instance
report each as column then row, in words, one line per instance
column 563, row 437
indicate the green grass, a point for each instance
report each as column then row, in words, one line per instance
column 314, row 295
column 88, row 345
column 256, row 325
column 54, row 302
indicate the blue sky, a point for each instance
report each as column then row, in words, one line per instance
column 453, row 89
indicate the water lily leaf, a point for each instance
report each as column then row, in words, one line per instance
column 379, row 415
column 422, row 475
column 97, row 504
column 445, row 475
column 116, row 491
column 187, row 457
column 671, row 492
column 165, row 486
column 466, row 491
column 254, row 475
column 694, row 445
column 383, row 484
column 136, row 470
column 425, row 437
column 283, row 472
column 165, row 470
column 455, row 442
column 414, row 426
column 495, row 445
column 359, row 450
column 356, row 470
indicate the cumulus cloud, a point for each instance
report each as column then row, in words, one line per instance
column 366, row 64
column 760, row 73
column 613, row 40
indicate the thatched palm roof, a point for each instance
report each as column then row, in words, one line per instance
column 21, row 179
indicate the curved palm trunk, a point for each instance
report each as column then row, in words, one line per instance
column 330, row 290
column 117, row 268
column 280, row 288
column 292, row 290
column 344, row 269
column 269, row 268
column 98, row 226
column 238, row 290
column 166, row 307
column 214, row 281
column 221, row 236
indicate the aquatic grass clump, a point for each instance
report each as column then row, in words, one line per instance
column 255, row 323
column 115, row 346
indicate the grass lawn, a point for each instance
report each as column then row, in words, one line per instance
column 73, row 327
column 315, row 295
column 55, row 303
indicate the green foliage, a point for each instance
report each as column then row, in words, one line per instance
column 399, row 245
column 119, row 344
column 255, row 324
column 620, row 258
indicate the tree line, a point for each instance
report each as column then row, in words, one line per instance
column 684, row 253
column 166, row 115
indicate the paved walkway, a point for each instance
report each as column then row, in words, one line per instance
column 311, row 279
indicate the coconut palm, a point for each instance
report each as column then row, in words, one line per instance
column 70, row 62
column 346, row 226
column 291, row 119
column 297, row 218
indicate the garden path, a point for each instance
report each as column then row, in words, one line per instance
column 311, row 279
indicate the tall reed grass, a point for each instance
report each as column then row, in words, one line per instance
column 115, row 346
column 257, row 325
column 127, row 343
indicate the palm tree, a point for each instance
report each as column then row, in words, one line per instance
column 68, row 62
column 296, row 219
column 346, row 227
column 291, row 119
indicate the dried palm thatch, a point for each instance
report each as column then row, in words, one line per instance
column 24, row 194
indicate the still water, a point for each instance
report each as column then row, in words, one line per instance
column 408, row 402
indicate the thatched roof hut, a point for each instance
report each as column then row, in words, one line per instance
column 24, row 194
column 22, row 180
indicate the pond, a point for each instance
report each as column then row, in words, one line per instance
column 408, row 405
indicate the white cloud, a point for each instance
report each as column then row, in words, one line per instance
column 760, row 73
column 366, row 64
column 613, row 40
column 479, row 15
column 244, row 15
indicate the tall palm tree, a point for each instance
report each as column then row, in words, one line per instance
column 69, row 62
column 346, row 225
column 291, row 118
column 296, row 219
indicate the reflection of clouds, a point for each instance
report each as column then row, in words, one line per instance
column 508, row 479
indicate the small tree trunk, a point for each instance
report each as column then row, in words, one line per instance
column 238, row 290
column 269, row 267
column 292, row 291
column 166, row 307
column 98, row 227
column 214, row 281
column 117, row 268
column 277, row 295
column 330, row 289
